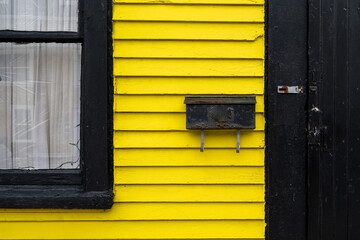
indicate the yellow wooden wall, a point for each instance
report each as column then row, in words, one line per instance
column 165, row 188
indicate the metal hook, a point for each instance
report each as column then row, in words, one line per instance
column 238, row 141
column 202, row 140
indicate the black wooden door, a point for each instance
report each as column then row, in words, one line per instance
column 334, row 120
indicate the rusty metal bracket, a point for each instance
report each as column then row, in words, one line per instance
column 238, row 141
column 290, row 89
column 202, row 141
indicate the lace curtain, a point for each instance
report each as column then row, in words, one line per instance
column 39, row 88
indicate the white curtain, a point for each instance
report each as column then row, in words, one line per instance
column 39, row 88
column 39, row 15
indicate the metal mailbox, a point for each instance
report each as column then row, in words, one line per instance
column 220, row 113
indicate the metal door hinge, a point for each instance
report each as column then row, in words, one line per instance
column 290, row 89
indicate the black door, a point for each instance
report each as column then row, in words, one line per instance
column 334, row 120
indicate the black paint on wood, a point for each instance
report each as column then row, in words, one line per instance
column 34, row 36
column 286, row 145
column 334, row 166
column 41, row 177
column 67, row 197
column 97, row 105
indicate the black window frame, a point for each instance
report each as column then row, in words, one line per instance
column 91, row 186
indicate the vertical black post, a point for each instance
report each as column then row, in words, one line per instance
column 97, row 94
column 286, row 116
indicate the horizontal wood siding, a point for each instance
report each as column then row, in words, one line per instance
column 165, row 188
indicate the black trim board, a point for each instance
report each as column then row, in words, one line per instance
column 41, row 177
column 65, row 197
column 286, row 144
column 35, row 36
column 97, row 125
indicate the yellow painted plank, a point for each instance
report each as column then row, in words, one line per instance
column 205, row 13
column 190, row 139
column 189, row 31
column 160, row 103
column 188, row 157
column 188, row 67
column 188, row 85
column 189, row 49
column 131, row 229
column 189, row 193
column 221, row 2
column 162, row 122
column 189, row 175
column 143, row 211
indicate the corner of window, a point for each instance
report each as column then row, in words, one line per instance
column 52, row 181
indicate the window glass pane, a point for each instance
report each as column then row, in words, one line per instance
column 40, row 105
column 39, row 15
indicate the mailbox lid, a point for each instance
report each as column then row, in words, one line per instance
column 220, row 100
column 220, row 112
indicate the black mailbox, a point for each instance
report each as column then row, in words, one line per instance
column 220, row 112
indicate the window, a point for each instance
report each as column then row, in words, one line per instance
column 56, row 104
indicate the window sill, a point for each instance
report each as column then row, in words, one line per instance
column 63, row 197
